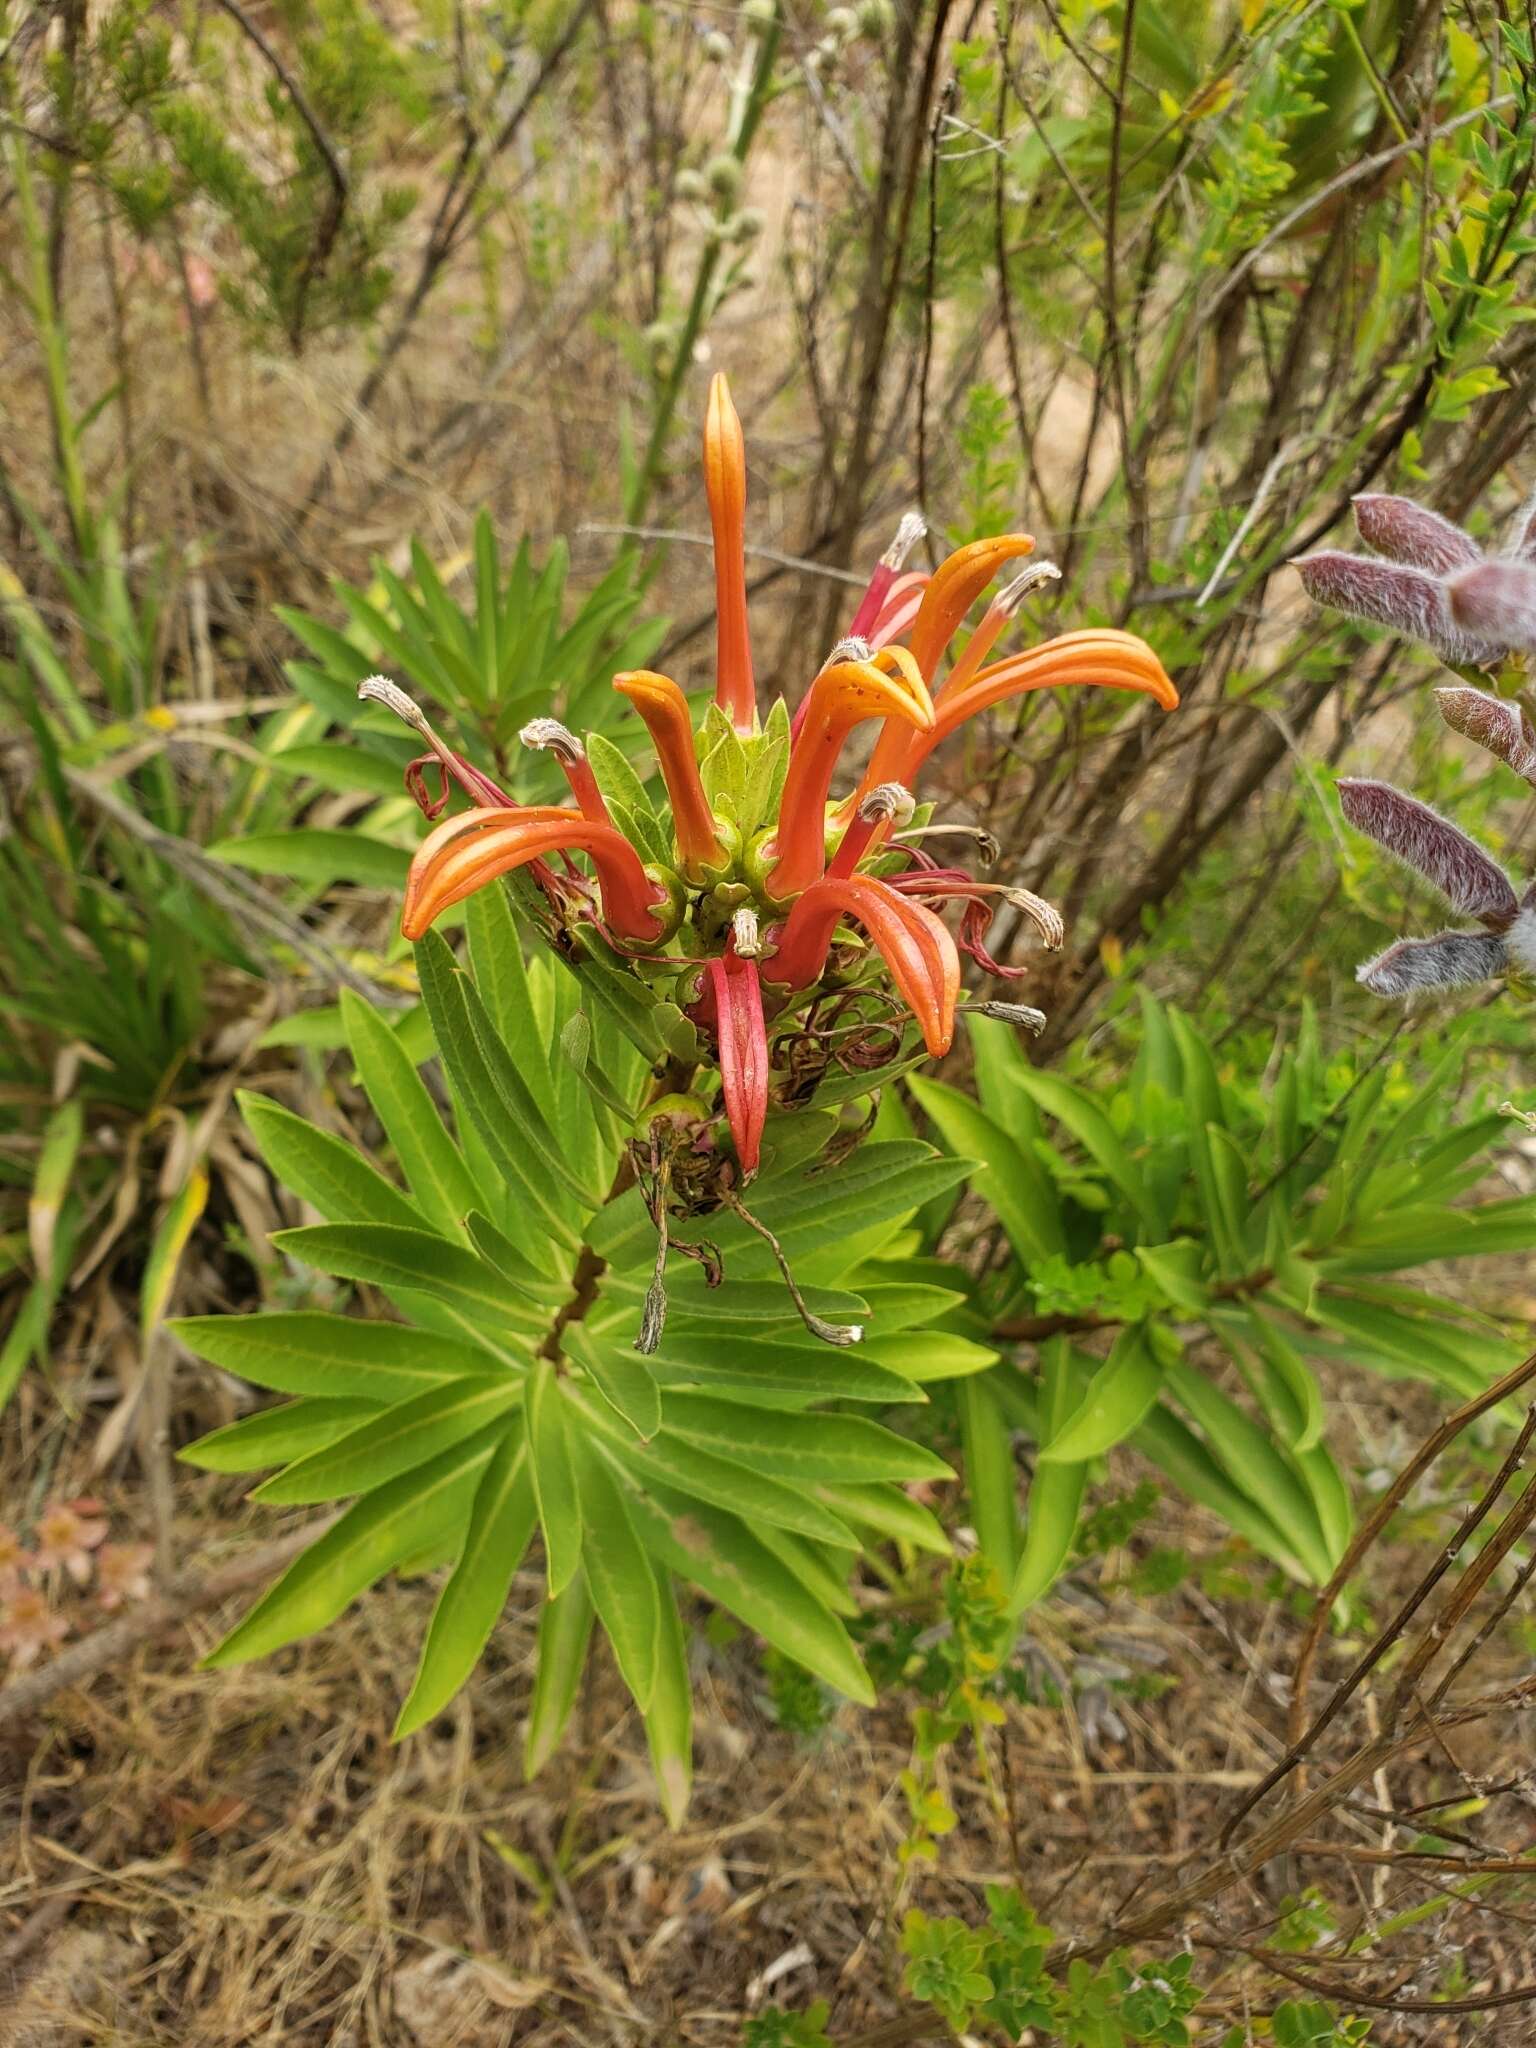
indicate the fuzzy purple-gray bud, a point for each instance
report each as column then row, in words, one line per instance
column 1433, row 847
column 1412, row 534
column 1391, row 594
column 1501, row 727
column 1449, row 960
column 1496, row 601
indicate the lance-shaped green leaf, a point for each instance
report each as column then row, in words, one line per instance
column 796, row 1447
column 1280, row 1377
column 402, row 1438
column 724, row 1481
column 300, row 1351
column 503, row 984
column 428, row 1157
column 930, row 1355
column 788, row 1374
column 749, row 1303
column 1319, row 1473
column 498, row 1250
column 1082, row 1117
column 886, row 1510
column 624, row 1379
column 1177, row 1452
column 409, row 1515
column 824, row 1578
column 1009, row 1179
column 565, row 1629
column 998, row 1056
column 325, row 1171
column 50, row 1184
column 989, row 1473
column 554, row 1476
column 520, row 1145
column 272, row 1437
column 500, row 1524
column 619, row 1577
column 170, row 1241
column 720, row 1555
column 387, row 1255
column 1177, row 1269
column 1056, row 1491
column 1113, row 1404
column 1252, row 1462
column 669, row 1715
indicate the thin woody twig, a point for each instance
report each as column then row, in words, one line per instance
column 330, row 221
column 1365, row 1537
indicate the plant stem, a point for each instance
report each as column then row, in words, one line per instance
column 749, row 97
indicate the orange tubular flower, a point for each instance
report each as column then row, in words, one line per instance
column 467, row 851
column 916, row 947
column 842, row 696
column 725, row 485
column 664, row 708
column 721, row 904
column 1099, row 657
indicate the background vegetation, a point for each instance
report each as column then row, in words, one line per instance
column 339, row 337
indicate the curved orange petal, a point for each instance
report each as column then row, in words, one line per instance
column 725, row 485
column 915, row 945
column 844, row 694
column 1099, row 657
column 954, row 587
column 664, row 708
column 466, row 852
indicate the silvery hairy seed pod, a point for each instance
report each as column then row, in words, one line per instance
column 1469, row 879
column 1412, row 534
column 1494, row 723
column 1496, row 601
column 1413, row 601
column 1449, row 960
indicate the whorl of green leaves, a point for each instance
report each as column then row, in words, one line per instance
column 1187, row 1215
column 509, row 1398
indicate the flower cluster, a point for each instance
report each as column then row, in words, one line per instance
column 69, row 1545
column 774, row 914
column 1435, row 584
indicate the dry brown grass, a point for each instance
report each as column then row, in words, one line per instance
column 242, row 1857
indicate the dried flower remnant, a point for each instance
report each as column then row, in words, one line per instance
column 66, row 1535
column 790, row 926
column 122, row 1573
column 28, row 1626
column 15, row 1558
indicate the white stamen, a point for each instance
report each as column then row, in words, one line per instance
column 1022, row 1014
column 887, row 800
column 1045, row 917
column 549, row 732
column 985, row 841
column 912, row 529
column 1014, row 592
column 747, row 933
column 380, row 690
column 851, row 649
